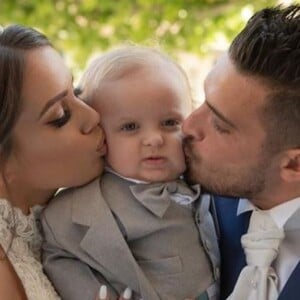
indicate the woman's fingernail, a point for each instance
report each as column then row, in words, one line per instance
column 127, row 293
column 103, row 292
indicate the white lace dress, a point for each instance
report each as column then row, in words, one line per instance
column 25, row 250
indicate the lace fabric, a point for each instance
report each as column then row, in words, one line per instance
column 25, row 249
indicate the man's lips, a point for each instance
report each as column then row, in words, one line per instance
column 191, row 156
column 187, row 151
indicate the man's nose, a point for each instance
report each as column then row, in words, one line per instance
column 192, row 127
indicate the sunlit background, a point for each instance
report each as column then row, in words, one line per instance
column 194, row 32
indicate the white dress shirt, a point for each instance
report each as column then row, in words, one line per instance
column 286, row 216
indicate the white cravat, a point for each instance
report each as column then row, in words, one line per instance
column 287, row 217
column 258, row 280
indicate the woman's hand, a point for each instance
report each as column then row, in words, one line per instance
column 11, row 287
column 126, row 295
column 103, row 295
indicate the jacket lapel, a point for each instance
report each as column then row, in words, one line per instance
column 291, row 290
column 231, row 228
column 104, row 241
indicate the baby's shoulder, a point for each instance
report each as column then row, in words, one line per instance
column 66, row 198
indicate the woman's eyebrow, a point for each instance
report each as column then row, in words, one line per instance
column 52, row 101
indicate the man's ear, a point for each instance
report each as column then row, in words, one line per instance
column 290, row 166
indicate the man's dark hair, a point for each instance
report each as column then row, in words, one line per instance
column 268, row 48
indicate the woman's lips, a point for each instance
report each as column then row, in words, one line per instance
column 101, row 148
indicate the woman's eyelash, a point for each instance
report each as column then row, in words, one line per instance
column 61, row 121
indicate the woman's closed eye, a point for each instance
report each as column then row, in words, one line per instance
column 62, row 120
column 77, row 91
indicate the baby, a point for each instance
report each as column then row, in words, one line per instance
column 135, row 227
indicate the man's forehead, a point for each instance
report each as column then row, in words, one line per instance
column 224, row 74
column 236, row 96
column 222, row 62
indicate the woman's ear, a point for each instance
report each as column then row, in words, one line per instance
column 3, row 184
column 2, row 181
column 8, row 170
column 290, row 166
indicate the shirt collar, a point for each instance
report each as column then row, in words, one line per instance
column 109, row 169
column 280, row 213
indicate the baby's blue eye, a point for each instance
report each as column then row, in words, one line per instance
column 129, row 126
column 77, row 91
column 170, row 123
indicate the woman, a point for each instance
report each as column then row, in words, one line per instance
column 48, row 139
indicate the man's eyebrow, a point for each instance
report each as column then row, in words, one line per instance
column 52, row 101
column 220, row 115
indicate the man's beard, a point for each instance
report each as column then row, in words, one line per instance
column 244, row 182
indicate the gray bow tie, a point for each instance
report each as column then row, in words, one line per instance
column 157, row 197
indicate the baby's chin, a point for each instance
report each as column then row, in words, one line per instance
column 148, row 176
column 155, row 178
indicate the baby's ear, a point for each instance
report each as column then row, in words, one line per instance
column 290, row 166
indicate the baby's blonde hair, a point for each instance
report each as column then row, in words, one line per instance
column 119, row 62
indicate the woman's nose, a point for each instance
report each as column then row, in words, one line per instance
column 89, row 119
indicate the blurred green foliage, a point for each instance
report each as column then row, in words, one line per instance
column 83, row 27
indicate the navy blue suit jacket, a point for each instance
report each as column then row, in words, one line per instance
column 231, row 227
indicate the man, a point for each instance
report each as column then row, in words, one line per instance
column 244, row 141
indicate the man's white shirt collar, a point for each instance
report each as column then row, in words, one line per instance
column 284, row 217
column 280, row 213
